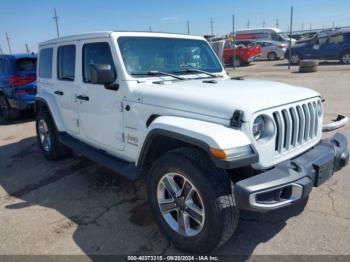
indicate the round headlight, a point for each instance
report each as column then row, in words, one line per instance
column 258, row 127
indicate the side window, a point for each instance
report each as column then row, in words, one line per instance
column 322, row 40
column 66, row 63
column 96, row 53
column 337, row 39
column 45, row 63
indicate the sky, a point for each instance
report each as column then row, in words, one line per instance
column 31, row 21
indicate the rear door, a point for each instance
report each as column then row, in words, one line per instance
column 333, row 48
column 66, row 86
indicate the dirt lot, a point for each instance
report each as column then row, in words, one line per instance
column 77, row 207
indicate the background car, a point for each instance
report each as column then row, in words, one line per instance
column 244, row 54
column 272, row 50
column 17, row 84
column 259, row 34
column 333, row 45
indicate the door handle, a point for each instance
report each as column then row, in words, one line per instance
column 59, row 92
column 83, row 97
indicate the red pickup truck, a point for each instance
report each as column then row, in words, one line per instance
column 244, row 53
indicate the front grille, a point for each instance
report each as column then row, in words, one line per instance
column 296, row 125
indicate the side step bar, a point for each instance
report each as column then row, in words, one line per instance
column 127, row 169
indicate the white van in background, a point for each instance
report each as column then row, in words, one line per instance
column 255, row 34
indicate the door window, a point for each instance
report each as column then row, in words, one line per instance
column 96, row 53
column 45, row 63
column 66, row 63
column 337, row 39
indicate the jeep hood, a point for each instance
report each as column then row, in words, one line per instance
column 222, row 98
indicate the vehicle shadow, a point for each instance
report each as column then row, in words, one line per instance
column 321, row 63
column 104, row 213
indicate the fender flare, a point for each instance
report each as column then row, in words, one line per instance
column 202, row 134
column 50, row 102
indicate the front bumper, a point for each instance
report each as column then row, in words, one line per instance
column 293, row 180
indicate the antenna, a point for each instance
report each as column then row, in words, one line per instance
column 211, row 25
column 8, row 42
column 188, row 27
column 56, row 21
column 27, row 49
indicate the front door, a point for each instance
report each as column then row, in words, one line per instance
column 100, row 109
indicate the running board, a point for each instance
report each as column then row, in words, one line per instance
column 127, row 169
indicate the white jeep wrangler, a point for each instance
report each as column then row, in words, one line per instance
column 161, row 106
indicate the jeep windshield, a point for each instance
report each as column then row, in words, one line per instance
column 142, row 55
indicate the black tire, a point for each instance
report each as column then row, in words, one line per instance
column 272, row 56
column 6, row 111
column 345, row 57
column 238, row 61
column 55, row 150
column 215, row 190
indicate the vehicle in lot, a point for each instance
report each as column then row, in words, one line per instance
column 161, row 106
column 270, row 50
column 270, row 34
column 334, row 45
column 244, row 54
column 17, row 84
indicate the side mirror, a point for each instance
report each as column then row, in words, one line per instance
column 102, row 74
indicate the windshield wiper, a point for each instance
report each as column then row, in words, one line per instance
column 192, row 70
column 155, row 73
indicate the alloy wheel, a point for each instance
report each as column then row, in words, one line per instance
column 180, row 204
column 44, row 135
column 4, row 107
column 346, row 58
column 295, row 59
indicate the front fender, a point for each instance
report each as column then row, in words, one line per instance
column 50, row 101
column 200, row 133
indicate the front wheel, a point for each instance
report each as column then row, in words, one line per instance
column 272, row 56
column 192, row 200
column 295, row 59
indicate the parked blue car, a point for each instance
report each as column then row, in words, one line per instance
column 17, row 84
column 333, row 45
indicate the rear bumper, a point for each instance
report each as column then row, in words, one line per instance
column 293, row 180
column 22, row 104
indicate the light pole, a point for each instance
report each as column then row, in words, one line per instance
column 56, row 21
column 8, row 42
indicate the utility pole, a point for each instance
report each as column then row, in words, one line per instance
column 333, row 24
column 277, row 23
column 310, row 27
column 212, row 25
column 234, row 41
column 302, row 27
column 188, row 27
column 1, row 50
column 290, row 36
column 56, row 21
column 8, row 42
column 27, row 49
column 150, row 28
column 263, row 24
column 248, row 24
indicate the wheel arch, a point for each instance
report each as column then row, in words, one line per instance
column 50, row 104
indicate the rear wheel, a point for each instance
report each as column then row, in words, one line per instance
column 272, row 56
column 192, row 200
column 345, row 58
column 48, row 138
column 295, row 59
column 238, row 61
column 6, row 111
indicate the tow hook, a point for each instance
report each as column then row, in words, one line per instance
column 339, row 122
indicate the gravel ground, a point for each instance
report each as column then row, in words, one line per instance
column 75, row 206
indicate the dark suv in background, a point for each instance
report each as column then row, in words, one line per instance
column 332, row 45
column 17, row 84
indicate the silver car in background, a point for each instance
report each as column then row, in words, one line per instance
column 272, row 50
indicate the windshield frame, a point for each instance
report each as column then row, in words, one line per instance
column 220, row 71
